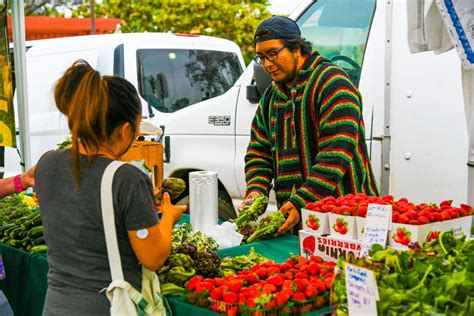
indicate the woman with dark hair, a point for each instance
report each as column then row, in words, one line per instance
column 103, row 114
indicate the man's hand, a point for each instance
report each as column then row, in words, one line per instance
column 247, row 201
column 293, row 217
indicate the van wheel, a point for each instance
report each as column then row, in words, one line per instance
column 225, row 207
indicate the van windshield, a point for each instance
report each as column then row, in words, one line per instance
column 339, row 30
column 172, row 79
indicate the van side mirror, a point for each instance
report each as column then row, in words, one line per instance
column 262, row 81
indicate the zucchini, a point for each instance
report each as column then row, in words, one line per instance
column 36, row 232
column 39, row 241
column 6, row 226
column 39, row 249
column 35, row 221
column 14, row 232
column 14, row 243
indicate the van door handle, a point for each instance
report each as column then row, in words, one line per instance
column 167, row 150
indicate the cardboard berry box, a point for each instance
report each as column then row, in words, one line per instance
column 342, row 226
column 360, row 224
column 327, row 247
column 315, row 222
column 403, row 235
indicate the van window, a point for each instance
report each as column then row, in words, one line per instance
column 172, row 79
column 339, row 30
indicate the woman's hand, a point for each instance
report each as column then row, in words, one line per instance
column 28, row 178
column 169, row 210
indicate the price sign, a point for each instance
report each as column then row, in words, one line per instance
column 377, row 224
column 362, row 293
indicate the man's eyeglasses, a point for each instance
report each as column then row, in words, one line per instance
column 271, row 56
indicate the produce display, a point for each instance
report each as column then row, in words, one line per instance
column 20, row 222
column 434, row 279
column 412, row 223
column 296, row 286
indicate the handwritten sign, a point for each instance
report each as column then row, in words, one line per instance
column 362, row 293
column 377, row 225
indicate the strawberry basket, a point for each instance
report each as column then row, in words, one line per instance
column 274, row 311
column 225, row 308
column 198, row 299
column 306, row 306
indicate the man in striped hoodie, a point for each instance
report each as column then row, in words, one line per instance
column 307, row 135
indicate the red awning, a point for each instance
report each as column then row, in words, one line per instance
column 40, row 27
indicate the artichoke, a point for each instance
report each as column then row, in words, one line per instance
column 188, row 249
column 208, row 264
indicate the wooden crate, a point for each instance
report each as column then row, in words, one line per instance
column 152, row 153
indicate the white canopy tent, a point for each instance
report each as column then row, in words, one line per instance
column 19, row 48
column 441, row 25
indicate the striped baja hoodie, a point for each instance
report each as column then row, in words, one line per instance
column 310, row 139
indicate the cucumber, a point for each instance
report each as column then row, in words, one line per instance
column 39, row 241
column 36, row 232
column 14, row 243
column 39, row 249
column 6, row 226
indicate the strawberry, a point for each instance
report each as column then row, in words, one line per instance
column 191, row 286
column 281, row 298
column 235, row 285
column 453, row 212
column 289, row 285
column 289, row 275
column 412, row 214
column 275, row 269
column 395, row 217
column 445, row 216
column 285, row 267
column 301, row 275
column 313, row 269
column 233, row 311
column 269, row 288
column 204, row 287
column 216, row 294
column 316, row 259
column 438, row 217
column 261, row 272
column 309, row 245
column 319, row 285
column 423, row 220
column 311, row 292
column 403, row 219
column 446, row 203
column 467, row 208
column 298, row 296
column 301, row 284
column 251, row 278
column 414, row 222
column 270, row 304
column 230, row 297
column 250, row 302
column 276, row 280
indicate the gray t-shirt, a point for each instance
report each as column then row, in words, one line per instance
column 73, row 230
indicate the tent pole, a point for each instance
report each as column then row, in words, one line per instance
column 19, row 47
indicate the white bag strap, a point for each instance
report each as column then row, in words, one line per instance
column 108, row 218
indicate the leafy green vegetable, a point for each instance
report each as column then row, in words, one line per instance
column 267, row 226
column 436, row 278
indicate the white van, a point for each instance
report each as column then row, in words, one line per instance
column 183, row 80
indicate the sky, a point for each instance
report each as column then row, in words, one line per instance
column 280, row 7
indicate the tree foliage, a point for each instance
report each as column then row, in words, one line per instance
column 235, row 20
